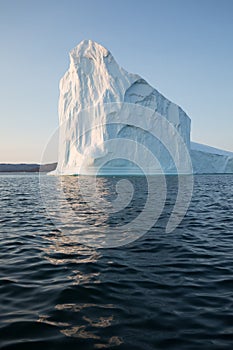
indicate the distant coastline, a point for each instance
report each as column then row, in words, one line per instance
column 23, row 167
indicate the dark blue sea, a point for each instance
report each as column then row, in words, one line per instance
column 161, row 291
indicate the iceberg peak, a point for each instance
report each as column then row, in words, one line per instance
column 89, row 49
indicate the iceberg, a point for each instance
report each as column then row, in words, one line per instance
column 117, row 123
column 210, row 160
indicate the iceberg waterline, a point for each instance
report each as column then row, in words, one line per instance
column 101, row 102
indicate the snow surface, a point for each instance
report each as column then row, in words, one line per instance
column 100, row 101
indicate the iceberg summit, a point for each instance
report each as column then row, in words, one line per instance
column 115, row 122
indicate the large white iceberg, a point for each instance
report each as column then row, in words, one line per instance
column 100, row 101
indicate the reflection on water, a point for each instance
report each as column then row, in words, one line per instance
column 88, row 325
column 104, row 211
column 62, row 251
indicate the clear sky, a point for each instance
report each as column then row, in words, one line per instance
column 184, row 48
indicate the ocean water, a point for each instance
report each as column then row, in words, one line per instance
column 162, row 291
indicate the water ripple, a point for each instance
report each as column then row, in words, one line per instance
column 164, row 291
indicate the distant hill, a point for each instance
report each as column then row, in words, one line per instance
column 6, row 168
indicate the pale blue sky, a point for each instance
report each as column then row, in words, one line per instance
column 184, row 48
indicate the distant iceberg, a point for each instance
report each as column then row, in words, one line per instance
column 101, row 102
